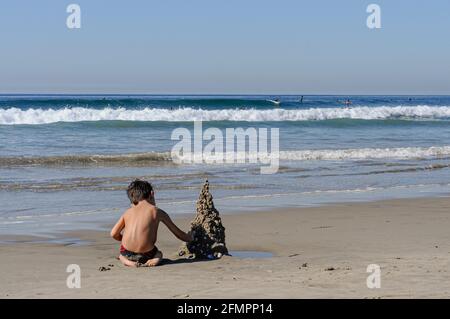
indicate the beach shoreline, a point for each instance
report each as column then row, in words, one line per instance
column 318, row 252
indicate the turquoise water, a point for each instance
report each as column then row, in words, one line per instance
column 66, row 160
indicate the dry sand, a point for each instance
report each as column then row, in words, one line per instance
column 409, row 239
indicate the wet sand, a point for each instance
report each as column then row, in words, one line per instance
column 320, row 252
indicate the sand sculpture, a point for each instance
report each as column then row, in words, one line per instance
column 208, row 231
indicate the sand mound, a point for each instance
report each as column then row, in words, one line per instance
column 208, row 231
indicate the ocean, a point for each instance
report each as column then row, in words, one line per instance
column 66, row 160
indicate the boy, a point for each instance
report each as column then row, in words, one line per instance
column 140, row 226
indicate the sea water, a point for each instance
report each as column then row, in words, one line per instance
column 65, row 161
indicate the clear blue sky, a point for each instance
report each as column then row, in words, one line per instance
column 232, row 46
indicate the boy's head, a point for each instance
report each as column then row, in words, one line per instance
column 139, row 190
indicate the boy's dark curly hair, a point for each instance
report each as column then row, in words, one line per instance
column 138, row 191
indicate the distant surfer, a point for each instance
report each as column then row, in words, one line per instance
column 301, row 99
column 275, row 101
column 348, row 103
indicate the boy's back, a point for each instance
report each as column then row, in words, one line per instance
column 137, row 228
column 141, row 228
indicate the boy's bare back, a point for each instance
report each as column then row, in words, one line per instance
column 141, row 227
column 137, row 228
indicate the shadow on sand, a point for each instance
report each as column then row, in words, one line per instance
column 166, row 261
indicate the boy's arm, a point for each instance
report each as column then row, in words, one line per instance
column 181, row 235
column 117, row 229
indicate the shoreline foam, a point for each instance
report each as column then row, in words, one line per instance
column 153, row 158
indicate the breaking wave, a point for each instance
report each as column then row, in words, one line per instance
column 154, row 158
column 12, row 116
column 368, row 153
column 130, row 159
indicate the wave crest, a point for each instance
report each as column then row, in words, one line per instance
column 367, row 153
column 154, row 158
column 119, row 159
column 16, row 116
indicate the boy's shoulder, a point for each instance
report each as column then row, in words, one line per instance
column 129, row 210
column 149, row 208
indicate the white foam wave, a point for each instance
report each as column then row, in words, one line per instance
column 13, row 116
column 327, row 155
column 434, row 152
column 368, row 153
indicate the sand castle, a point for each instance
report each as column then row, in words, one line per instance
column 208, row 231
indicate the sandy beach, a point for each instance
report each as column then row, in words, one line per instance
column 294, row 150
column 320, row 252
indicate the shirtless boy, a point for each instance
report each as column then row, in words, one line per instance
column 138, row 227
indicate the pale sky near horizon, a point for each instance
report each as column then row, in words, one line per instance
column 225, row 47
